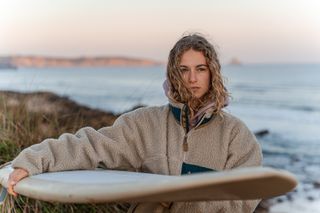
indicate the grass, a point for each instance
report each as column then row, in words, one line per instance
column 20, row 128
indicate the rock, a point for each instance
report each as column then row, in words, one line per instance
column 261, row 133
column 310, row 198
column 289, row 197
column 263, row 207
column 316, row 184
column 235, row 62
column 295, row 158
column 280, row 200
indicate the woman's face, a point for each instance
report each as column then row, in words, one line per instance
column 195, row 72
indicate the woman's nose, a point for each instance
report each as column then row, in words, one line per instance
column 192, row 76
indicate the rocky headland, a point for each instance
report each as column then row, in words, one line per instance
column 42, row 62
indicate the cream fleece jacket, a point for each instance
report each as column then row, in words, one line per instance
column 151, row 140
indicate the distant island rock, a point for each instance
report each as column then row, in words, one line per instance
column 235, row 61
column 41, row 61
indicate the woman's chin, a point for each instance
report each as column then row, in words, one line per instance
column 196, row 96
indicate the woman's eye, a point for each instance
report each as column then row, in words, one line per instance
column 202, row 69
column 183, row 70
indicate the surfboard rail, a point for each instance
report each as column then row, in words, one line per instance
column 103, row 186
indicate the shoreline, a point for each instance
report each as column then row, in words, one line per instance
column 50, row 103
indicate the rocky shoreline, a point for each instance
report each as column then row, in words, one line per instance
column 50, row 103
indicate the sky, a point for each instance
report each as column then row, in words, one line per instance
column 254, row 31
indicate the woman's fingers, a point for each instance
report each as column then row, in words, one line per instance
column 10, row 189
column 14, row 178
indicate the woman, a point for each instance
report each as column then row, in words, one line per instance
column 190, row 134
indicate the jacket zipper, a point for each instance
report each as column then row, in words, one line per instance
column 185, row 143
column 185, row 147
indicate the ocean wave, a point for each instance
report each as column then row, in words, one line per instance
column 278, row 104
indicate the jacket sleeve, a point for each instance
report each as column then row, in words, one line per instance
column 244, row 151
column 113, row 147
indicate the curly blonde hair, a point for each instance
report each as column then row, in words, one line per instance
column 177, row 87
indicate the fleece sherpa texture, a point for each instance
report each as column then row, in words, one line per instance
column 151, row 140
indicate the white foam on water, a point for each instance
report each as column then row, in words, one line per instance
column 297, row 206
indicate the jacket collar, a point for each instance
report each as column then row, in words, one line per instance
column 180, row 112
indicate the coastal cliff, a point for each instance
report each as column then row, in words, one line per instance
column 41, row 62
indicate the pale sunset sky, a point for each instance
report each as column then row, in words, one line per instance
column 254, row 31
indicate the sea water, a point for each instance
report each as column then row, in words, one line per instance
column 281, row 98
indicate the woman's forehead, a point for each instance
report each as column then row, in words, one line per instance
column 192, row 58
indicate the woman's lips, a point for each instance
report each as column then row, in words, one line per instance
column 195, row 88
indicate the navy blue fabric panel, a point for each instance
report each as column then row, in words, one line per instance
column 206, row 120
column 190, row 169
column 176, row 112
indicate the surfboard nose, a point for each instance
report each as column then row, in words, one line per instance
column 281, row 182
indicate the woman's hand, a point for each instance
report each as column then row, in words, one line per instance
column 14, row 178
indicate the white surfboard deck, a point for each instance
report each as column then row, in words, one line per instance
column 102, row 186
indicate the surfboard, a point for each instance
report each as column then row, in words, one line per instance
column 103, row 186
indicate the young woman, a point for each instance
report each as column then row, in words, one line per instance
column 190, row 134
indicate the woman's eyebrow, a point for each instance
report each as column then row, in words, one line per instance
column 199, row 65
column 202, row 65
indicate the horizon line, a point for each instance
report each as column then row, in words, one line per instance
column 151, row 59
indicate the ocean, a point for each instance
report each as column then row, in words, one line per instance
column 281, row 98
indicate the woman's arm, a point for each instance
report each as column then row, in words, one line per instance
column 114, row 146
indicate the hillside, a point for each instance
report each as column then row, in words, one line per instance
column 41, row 62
